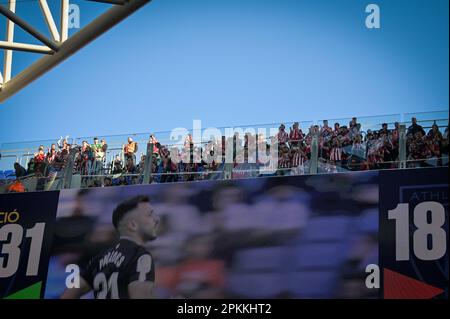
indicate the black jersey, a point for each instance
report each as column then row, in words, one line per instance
column 110, row 272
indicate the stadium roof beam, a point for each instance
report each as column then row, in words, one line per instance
column 7, row 59
column 119, row 2
column 64, row 20
column 49, row 20
column 24, row 25
column 26, row 47
column 67, row 46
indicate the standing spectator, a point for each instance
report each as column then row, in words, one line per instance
column 395, row 134
column 117, row 165
column 284, row 161
column 336, row 130
column 141, row 166
column 39, row 161
column 358, row 148
column 316, row 129
column 297, row 161
column 130, row 168
column 30, row 166
column 282, row 136
column 65, row 145
column 295, row 135
column 39, row 156
column 261, row 139
column 261, row 146
column 40, row 167
column 86, row 158
column 352, row 129
column 445, row 147
column 326, row 130
column 434, row 146
column 434, row 141
column 19, row 170
column 104, row 145
column 386, row 147
column 163, row 151
column 419, row 150
column 51, row 155
column 414, row 128
column 249, row 148
column 61, row 142
column 62, row 157
column 353, row 122
column 345, row 137
column 130, row 150
column 168, row 169
column 336, row 151
column 384, row 129
column 325, row 147
column 50, row 161
column 188, row 142
column 152, row 140
column 435, row 133
column 238, row 147
column 394, row 137
column 99, row 150
column 104, row 150
column 188, row 149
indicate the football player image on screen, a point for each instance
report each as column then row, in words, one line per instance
column 126, row 270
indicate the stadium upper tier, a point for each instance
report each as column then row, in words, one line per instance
column 290, row 148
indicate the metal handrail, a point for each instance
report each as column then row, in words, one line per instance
column 235, row 126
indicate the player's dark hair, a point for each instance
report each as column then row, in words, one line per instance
column 123, row 208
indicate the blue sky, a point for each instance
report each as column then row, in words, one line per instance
column 236, row 62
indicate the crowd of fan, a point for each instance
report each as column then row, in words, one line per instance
column 344, row 147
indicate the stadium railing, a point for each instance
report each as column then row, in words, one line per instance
column 68, row 177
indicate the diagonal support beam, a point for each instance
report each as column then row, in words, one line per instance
column 119, row 2
column 7, row 59
column 49, row 19
column 84, row 36
column 25, row 47
column 24, row 25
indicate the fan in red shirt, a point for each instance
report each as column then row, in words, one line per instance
column 39, row 161
column 295, row 135
column 297, row 161
column 282, row 136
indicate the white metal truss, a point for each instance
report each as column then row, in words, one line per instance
column 57, row 48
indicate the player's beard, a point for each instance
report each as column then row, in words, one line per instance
column 149, row 236
column 150, row 232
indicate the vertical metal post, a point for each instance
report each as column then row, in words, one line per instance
column 68, row 171
column 122, row 155
column 229, row 160
column 228, row 171
column 64, row 20
column 148, row 166
column 313, row 162
column 402, row 146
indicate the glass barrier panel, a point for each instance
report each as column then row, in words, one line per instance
column 354, row 144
